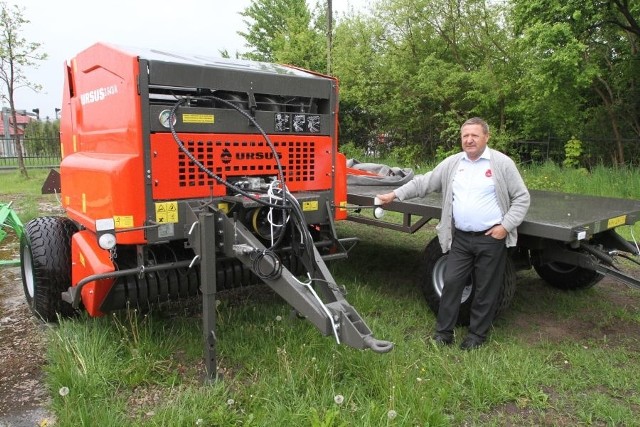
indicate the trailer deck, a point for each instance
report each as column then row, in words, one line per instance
column 552, row 215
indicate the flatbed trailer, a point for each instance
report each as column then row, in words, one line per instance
column 570, row 240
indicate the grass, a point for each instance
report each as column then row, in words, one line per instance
column 24, row 193
column 555, row 358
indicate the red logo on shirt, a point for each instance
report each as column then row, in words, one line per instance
column 488, row 173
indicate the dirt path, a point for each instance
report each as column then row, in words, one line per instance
column 23, row 397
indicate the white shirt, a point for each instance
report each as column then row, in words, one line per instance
column 475, row 203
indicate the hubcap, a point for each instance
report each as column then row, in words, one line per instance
column 27, row 264
column 438, row 280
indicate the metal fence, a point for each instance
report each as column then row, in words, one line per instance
column 36, row 152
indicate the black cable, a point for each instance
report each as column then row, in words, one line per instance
column 288, row 202
column 203, row 168
column 258, row 256
column 227, row 184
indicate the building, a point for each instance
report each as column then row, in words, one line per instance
column 7, row 131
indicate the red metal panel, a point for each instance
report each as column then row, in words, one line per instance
column 87, row 258
column 305, row 160
column 99, row 185
column 340, row 187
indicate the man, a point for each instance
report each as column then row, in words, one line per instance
column 484, row 201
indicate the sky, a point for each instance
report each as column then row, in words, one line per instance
column 67, row 27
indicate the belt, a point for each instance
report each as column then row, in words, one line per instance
column 473, row 233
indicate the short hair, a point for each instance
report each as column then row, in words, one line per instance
column 477, row 121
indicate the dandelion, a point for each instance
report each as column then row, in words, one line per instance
column 63, row 391
column 392, row 414
column 419, row 379
column 230, row 402
column 199, row 421
column 278, row 318
column 338, row 399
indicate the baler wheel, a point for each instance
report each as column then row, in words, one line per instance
column 45, row 252
column 432, row 281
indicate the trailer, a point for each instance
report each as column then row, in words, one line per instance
column 570, row 240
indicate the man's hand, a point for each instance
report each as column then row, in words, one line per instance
column 386, row 198
column 498, row 232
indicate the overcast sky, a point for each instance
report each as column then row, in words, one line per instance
column 66, row 27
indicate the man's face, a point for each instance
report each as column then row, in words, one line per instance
column 474, row 140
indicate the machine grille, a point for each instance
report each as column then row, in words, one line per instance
column 250, row 158
column 307, row 162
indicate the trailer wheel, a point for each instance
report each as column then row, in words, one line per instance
column 45, row 255
column 432, row 281
column 567, row 277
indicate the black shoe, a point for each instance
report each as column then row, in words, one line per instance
column 471, row 343
column 442, row 340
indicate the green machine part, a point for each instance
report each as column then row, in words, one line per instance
column 8, row 218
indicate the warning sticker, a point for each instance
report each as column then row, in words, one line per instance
column 198, row 118
column 310, row 206
column 614, row 222
column 166, row 212
column 123, row 221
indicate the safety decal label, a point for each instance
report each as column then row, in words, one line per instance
column 198, row 118
column 298, row 123
column 166, row 212
column 614, row 222
column 310, row 206
column 123, row 221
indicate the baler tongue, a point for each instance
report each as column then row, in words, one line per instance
column 317, row 297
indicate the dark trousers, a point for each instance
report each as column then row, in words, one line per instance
column 485, row 258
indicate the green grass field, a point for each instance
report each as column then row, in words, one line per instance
column 555, row 358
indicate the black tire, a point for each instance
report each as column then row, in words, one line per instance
column 45, row 261
column 432, row 281
column 567, row 277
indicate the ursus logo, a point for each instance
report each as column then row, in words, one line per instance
column 226, row 156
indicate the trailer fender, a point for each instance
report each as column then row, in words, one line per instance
column 88, row 259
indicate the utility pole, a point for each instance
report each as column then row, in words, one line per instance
column 329, row 34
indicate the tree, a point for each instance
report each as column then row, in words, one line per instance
column 585, row 54
column 419, row 67
column 15, row 55
column 283, row 31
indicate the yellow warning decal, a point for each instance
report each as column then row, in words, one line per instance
column 166, row 212
column 224, row 207
column 310, row 206
column 82, row 261
column 123, row 221
column 198, row 118
column 614, row 222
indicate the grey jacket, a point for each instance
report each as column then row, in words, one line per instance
column 513, row 196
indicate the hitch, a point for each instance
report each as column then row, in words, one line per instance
column 318, row 298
